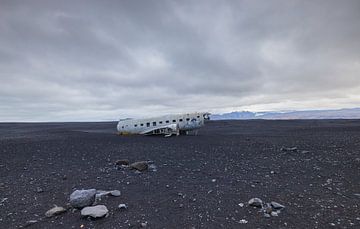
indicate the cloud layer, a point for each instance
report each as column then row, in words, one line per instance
column 104, row 60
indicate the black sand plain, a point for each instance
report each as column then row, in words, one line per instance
column 199, row 181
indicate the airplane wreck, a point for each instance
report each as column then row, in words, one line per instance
column 167, row 125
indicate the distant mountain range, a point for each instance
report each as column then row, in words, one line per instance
column 353, row 113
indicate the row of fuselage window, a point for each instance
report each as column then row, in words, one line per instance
column 161, row 122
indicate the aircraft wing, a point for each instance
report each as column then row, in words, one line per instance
column 167, row 130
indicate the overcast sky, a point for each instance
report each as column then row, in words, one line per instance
column 105, row 60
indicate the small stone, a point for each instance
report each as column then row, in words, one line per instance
column 39, row 190
column 292, row 149
column 243, row 221
column 276, row 205
column 100, row 194
column 213, row 180
column 255, row 202
column 274, row 214
column 122, row 162
column 30, row 222
column 139, row 166
column 122, row 206
column 82, row 198
column 267, row 215
column 115, row 193
column 241, row 205
column 268, row 209
column 144, row 224
column 55, row 211
column 97, row 211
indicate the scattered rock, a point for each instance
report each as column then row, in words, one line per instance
column 30, row 222
column 153, row 167
column 144, row 224
column 241, row 205
column 55, row 211
column 268, row 209
column 122, row 206
column 100, row 193
column 140, row 165
column 97, row 211
column 82, row 198
column 290, row 149
column 39, row 190
column 243, row 221
column 255, row 202
column 273, row 213
column 122, row 162
column 276, row 205
column 115, row 193
column 267, row 215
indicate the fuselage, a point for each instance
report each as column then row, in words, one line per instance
column 184, row 122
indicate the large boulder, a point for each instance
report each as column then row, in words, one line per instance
column 97, row 211
column 82, row 198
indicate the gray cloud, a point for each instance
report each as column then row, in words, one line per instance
column 92, row 60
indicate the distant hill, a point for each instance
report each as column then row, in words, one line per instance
column 353, row 113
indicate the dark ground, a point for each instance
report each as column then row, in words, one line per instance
column 318, row 188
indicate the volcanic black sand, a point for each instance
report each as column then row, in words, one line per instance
column 199, row 181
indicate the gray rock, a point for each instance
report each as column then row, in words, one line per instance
column 97, row 211
column 30, row 222
column 115, row 193
column 122, row 206
column 267, row 215
column 139, row 165
column 255, row 202
column 82, row 198
column 144, row 224
column 290, row 149
column 122, row 162
column 55, row 211
column 274, row 214
column 276, row 205
column 100, row 193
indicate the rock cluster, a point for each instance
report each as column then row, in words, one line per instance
column 269, row 209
